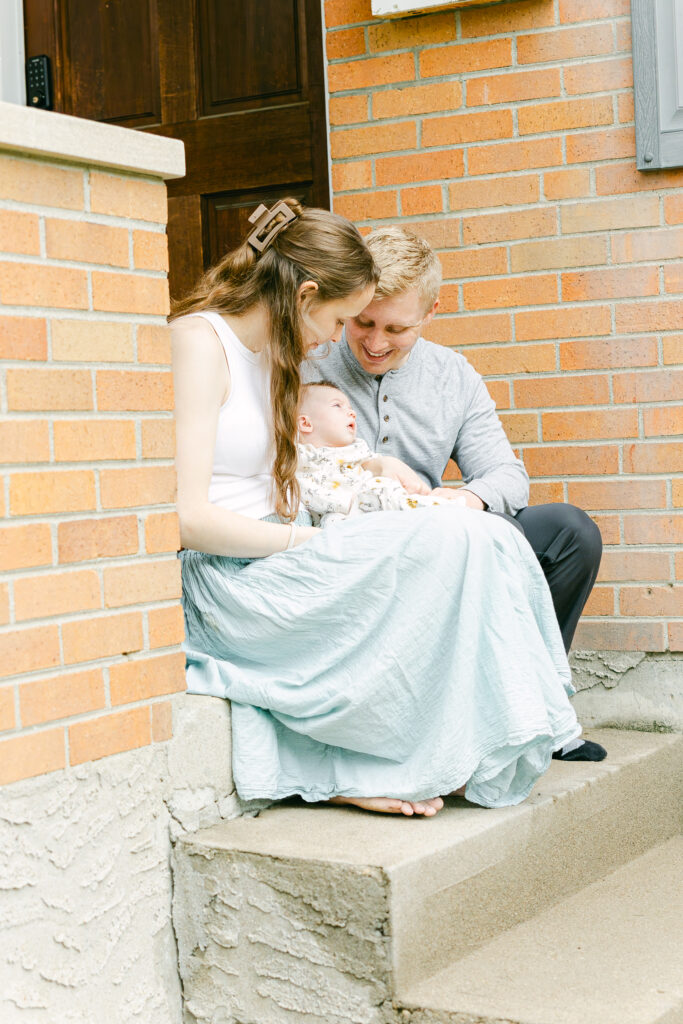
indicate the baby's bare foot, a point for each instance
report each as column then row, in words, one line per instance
column 389, row 805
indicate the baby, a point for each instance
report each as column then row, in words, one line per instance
column 339, row 475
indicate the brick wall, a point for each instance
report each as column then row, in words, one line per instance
column 90, row 620
column 504, row 135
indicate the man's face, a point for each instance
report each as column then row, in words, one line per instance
column 382, row 335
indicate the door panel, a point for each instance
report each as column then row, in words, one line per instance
column 227, row 214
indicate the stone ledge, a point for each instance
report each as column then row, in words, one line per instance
column 44, row 133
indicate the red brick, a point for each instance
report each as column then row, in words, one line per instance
column 464, row 58
column 84, row 540
column 564, row 115
column 441, row 232
column 545, row 492
column 349, row 42
column 610, row 284
column 507, row 359
column 23, row 547
column 109, row 734
column 102, row 637
column 561, row 391
column 147, row 677
column 420, row 167
column 659, row 601
column 367, row 205
column 639, row 246
column 639, row 211
column 46, row 700
column 417, row 201
column 494, row 192
column 462, row 128
column 675, row 632
column 606, row 144
column 653, row 529
column 510, row 292
column 479, row 262
column 351, row 176
column 673, row 209
column 35, row 284
column 371, row 72
column 37, row 597
column 620, row 636
column 406, row 33
column 346, row 12
column 38, row 390
column 41, row 493
column 514, row 86
column 510, row 17
column 449, row 298
column 629, row 566
column 609, row 528
column 23, row 337
column 373, row 139
column 24, row 441
column 348, row 110
column 520, row 427
column 599, row 76
column 654, row 386
column 658, row 457
column 499, row 391
column 600, row 602
column 471, row 330
column 626, row 108
column 619, row 179
column 608, row 353
column 591, row 10
column 649, row 316
column 514, row 156
column 24, row 757
column 662, row 421
column 572, row 460
column 416, row 99
column 496, row 227
column 618, row 494
column 569, row 184
column 590, row 426
column 563, row 323
column 558, row 252
column 25, row 650
column 564, row 44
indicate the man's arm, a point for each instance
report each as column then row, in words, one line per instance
column 489, row 467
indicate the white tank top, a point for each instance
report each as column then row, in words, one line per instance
column 242, row 478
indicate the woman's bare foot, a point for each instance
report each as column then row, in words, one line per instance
column 388, row 805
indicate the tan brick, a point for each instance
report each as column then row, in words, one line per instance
column 561, row 391
column 520, row 427
column 103, row 637
column 345, row 43
column 109, row 734
column 666, row 420
column 154, row 343
column 373, row 139
column 38, row 389
column 654, row 386
column 490, row 192
column 569, row 184
column 35, row 284
column 608, row 353
column 620, row 636
column 572, row 460
column 638, row 246
column 562, row 323
column 19, row 232
column 610, row 284
column 606, row 144
column 24, row 441
column 23, row 547
column 371, row 72
column 367, row 205
column 345, row 110
column 628, row 566
column 514, row 156
column 440, row 232
column 463, row 58
column 74, row 693
column 599, row 76
column 617, row 494
column 675, row 634
column 406, row 33
column 420, row 167
column 499, row 391
column 565, row 115
column 84, row 540
column 150, row 250
column 660, row 457
column 41, row 493
column 462, row 128
column 158, row 439
column 31, row 181
column 506, row 359
column 564, row 44
column 84, row 341
column 94, row 440
column 673, row 209
column 510, row 292
column 351, row 176
column 147, row 677
column 134, row 390
column 558, row 253
column 23, row 337
column 545, row 492
column 619, row 179
column 25, row 650
column 415, row 201
column 478, row 262
column 162, row 721
column 513, row 17
column 346, row 12
column 129, row 197
column 640, row 211
column 141, row 583
column 129, row 293
column 496, row 227
column 127, row 488
column 591, row 10
column 471, row 330
column 649, row 316
column 37, row 597
column 626, row 108
column 672, row 349
column 7, row 717
column 86, row 243
column 166, row 626
column 589, row 426
column 24, row 757
column 417, row 99
column 653, row 529
column 673, row 278
column 514, row 86
column 659, row 601
column 4, row 614
column 677, row 493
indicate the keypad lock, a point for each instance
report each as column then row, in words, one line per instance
column 38, row 91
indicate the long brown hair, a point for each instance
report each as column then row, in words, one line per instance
column 316, row 246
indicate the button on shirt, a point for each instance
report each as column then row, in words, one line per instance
column 438, row 408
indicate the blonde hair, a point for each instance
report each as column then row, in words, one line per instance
column 405, row 261
column 315, row 246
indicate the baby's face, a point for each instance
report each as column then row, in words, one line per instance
column 326, row 418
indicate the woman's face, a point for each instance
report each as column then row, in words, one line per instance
column 324, row 321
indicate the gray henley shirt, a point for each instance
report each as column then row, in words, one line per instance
column 433, row 408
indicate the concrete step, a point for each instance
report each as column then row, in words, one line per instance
column 332, row 912
column 612, row 953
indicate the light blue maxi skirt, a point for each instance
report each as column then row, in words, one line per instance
column 397, row 654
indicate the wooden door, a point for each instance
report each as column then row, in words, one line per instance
column 239, row 81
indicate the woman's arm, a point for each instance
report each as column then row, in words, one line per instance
column 202, row 383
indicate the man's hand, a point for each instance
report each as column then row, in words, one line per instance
column 461, row 496
column 397, row 470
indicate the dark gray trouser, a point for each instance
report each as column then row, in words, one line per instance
column 568, row 545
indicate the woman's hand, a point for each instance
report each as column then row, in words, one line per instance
column 460, row 496
column 397, row 470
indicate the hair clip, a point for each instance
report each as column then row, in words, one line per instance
column 265, row 229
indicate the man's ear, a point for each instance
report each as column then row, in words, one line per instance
column 305, row 425
column 431, row 313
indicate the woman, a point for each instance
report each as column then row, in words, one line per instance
column 386, row 661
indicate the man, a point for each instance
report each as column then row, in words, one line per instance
column 424, row 404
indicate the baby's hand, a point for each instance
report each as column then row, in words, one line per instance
column 459, row 496
column 407, row 477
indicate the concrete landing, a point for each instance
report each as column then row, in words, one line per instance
column 611, row 954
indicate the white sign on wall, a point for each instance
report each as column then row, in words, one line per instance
column 399, row 8
column 12, row 81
